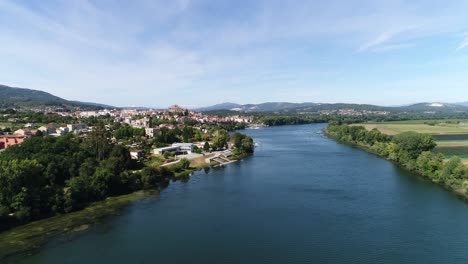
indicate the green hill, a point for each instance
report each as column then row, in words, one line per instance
column 21, row 98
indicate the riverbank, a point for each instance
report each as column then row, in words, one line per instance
column 455, row 186
column 27, row 238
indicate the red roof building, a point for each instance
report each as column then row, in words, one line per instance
column 7, row 141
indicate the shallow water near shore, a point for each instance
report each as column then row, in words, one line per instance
column 302, row 198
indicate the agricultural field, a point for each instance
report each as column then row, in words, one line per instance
column 434, row 127
column 452, row 151
column 451, row 135
column 452, row 143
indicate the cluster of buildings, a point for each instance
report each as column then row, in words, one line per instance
column 52, row 129
column 137, row 118
column 352, row 112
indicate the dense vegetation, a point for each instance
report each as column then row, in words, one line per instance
column 243, row 144
column 46, row 176
column 279, row 120
column 127, row 131
column 411, row 150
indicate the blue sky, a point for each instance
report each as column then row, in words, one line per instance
column 202, row 52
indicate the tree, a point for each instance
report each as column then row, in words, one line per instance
column 167, row 136
column 248, row 145
column 39, row 133
column 206, row 146
column 187, row 134
column 414, row 143
column 237, row 139
column 453, row 168
column 79, row 193
column 21, row 182
column 429, row 164
column 183, row 164
column 220, row 140
column 99, row 142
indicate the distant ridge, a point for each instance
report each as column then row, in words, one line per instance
column 221, row 106
column 462, row 103
column 23, row 98
column 287, row 107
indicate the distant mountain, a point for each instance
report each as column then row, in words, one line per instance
column 286, row 107
column 222, row 106
column 462, row 103
column 435, row 107
column 273, row 107
column 13, row 97
column 95, row 104
column 263, row 107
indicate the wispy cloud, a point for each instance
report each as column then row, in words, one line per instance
column 463, row 45
column 393, row 47
column 386, row 40
column 382, row 38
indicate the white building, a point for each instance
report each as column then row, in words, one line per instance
column 62, row 130
column 136, row 154
column 23, row 132
column 77, row 128
column 151, row 131
column 140, row 123
column 178, row 148
column 48, row 129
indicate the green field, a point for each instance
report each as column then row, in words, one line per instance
column 452, row 151
column 414, row 122
column 439, row 128
column 3, row 125
column 11, row 125
column 451, row 135
column 452, row 143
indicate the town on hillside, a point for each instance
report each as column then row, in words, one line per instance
column 172, row 133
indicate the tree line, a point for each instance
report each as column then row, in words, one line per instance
column 46, row 176
column 411, row 150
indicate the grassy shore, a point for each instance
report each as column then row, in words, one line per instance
column 30, row 237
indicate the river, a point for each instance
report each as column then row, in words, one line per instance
column 302, row 198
